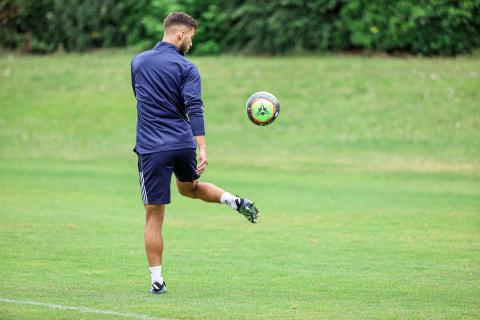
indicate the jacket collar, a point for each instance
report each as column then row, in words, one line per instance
column 166, row 45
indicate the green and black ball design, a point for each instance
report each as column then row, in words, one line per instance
column 263, row 108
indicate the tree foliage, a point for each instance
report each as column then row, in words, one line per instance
column 428, row 27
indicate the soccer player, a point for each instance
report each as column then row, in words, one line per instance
column 170, row 128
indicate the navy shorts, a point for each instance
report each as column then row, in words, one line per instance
column 155, row 172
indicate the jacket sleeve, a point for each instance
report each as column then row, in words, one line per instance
column 133, row 78
column 192, row 99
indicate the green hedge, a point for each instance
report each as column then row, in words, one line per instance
column 428, row 27
column 444, row 27
column 46, row 25
column 278, row 26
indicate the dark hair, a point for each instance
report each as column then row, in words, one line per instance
column 179, row 18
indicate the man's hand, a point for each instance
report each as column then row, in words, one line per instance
column 202, row 154
column 202, row 161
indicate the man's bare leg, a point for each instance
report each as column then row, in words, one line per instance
column 200, row 190
column 154, row 244
column 211, row 193
column 153, row 233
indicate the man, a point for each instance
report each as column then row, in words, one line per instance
column 170, row 127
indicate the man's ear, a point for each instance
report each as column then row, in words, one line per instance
column 181, row 35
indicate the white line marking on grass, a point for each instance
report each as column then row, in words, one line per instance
column 83, row 309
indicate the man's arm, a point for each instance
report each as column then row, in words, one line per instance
column 192, row 99
column 133, row 79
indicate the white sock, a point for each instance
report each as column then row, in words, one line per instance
column 229, row 199
column 156, row 274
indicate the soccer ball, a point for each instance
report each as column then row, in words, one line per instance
column 262, row 108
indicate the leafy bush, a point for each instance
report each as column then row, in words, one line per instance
column 282, row 26
column 426, row 27
column 429, row 27
column 21, row 22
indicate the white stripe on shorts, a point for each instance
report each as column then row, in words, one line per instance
column 144, row 191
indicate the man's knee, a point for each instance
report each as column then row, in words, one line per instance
column 187, row 189
column 154, row 211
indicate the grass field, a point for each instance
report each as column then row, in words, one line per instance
column 369, row 185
